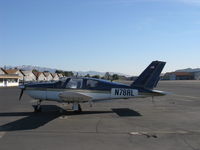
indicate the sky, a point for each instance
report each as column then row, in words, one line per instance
column 102, row 35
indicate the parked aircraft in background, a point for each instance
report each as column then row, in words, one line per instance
column 78, row 90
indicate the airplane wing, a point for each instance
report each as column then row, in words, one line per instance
column 74, row 97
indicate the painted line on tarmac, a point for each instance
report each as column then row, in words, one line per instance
column 64, row 117
column 2, row 134
column 158, row 132
column 193, row 97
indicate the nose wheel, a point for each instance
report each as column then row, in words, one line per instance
column 77, row 107
column 37, row 107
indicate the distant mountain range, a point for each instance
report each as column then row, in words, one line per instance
column 92, row 73
column 52, row 70
column 83, row 73
column 29, row 67
column 189, row 70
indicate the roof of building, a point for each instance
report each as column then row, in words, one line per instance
column 26, row 73
column 3, row 70
column 47, row 74
column 37, row 74
column 54, row 74
column 13, row 71
column 60, row 75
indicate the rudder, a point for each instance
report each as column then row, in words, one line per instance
column 150, row 76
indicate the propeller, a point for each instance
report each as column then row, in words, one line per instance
column 22, row 87
column 20, row 96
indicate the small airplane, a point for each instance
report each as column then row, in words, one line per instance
column 78, row 90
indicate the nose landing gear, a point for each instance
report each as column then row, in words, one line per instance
column 77, row 107
column 37, row 107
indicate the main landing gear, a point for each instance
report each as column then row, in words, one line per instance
column 77, row 107
column 37, row 107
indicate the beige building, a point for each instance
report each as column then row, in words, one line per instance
column 178, row 76
column 29, row 76
column 60, row 75
column 55, row 76
column 48, row 76
column 7, row 80
column 40, row 76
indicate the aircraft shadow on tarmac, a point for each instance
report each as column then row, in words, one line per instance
column 126, row 112
column 33, row 120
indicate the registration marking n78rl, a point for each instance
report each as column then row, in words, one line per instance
column 122, row 92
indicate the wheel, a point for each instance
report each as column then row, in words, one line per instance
column 79, row 108
column 37, row 109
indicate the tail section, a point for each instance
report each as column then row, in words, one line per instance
column 150, row 76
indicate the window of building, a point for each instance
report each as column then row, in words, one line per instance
column 9, row 80
column 1, row 80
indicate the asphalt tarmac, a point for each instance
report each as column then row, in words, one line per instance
column 167, row 123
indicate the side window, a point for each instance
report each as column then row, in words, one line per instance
column 74, row 84
column 91, row 83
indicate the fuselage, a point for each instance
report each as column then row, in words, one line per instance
column 83, row 89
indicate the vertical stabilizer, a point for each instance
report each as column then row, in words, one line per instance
column 150, row 76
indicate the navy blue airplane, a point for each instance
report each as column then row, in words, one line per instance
column 78, row 90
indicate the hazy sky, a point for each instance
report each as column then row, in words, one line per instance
column 103, row 35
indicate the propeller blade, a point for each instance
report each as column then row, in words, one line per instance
column 22, row 87
column 20, row 96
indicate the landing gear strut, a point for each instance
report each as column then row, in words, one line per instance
column 37, row 107
column 77, row 107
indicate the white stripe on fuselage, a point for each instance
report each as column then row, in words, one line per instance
column 53, row 95
column 44, row 95
column 97, row 96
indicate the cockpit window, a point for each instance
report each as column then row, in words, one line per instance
column 75, row 84
column 91, row 83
